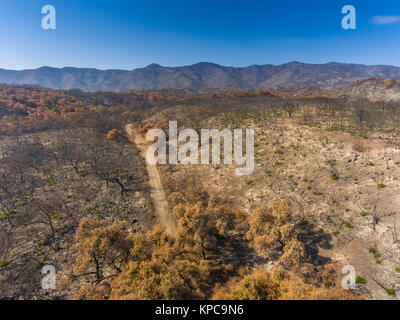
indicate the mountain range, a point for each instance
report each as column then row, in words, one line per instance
column 289, row 76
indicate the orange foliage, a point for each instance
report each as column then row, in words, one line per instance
column 115, row 135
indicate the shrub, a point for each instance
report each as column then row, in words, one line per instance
column 363, row 213
column 334, row 177
column 272, row 230
column 381, row 185
column 303, row 222
column 347, row 225
column 3, row 263
column 8, row 214
column 390, row 291
column 50, row 182
column 114, row 135
column 360, row 280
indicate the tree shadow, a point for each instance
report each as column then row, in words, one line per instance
column 313, row 240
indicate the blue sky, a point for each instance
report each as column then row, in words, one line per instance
column 122, row 34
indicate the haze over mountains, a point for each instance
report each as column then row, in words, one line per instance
column 290, row 76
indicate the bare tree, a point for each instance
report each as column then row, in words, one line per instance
column 109, row 163
column 394, row 107
column 290, row 108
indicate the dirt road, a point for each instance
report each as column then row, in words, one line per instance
column 157, row 191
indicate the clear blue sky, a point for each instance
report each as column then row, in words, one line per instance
column 122, row 34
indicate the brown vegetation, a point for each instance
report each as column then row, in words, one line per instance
column 78, row 197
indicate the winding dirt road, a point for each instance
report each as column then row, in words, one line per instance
column 157, row 191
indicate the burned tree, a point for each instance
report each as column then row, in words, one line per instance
column 109, row 163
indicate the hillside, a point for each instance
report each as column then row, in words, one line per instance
column 290, row 76
column 339, row 174
column 374, row 89
column 323, row 194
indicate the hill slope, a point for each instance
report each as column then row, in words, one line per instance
column 374, row 89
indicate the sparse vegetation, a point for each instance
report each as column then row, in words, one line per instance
column 390, row 291
column 360, row 280
column 74, row 191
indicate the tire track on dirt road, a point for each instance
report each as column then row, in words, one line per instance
column 157, row 190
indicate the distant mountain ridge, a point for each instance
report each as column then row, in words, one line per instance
column 289, row 76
